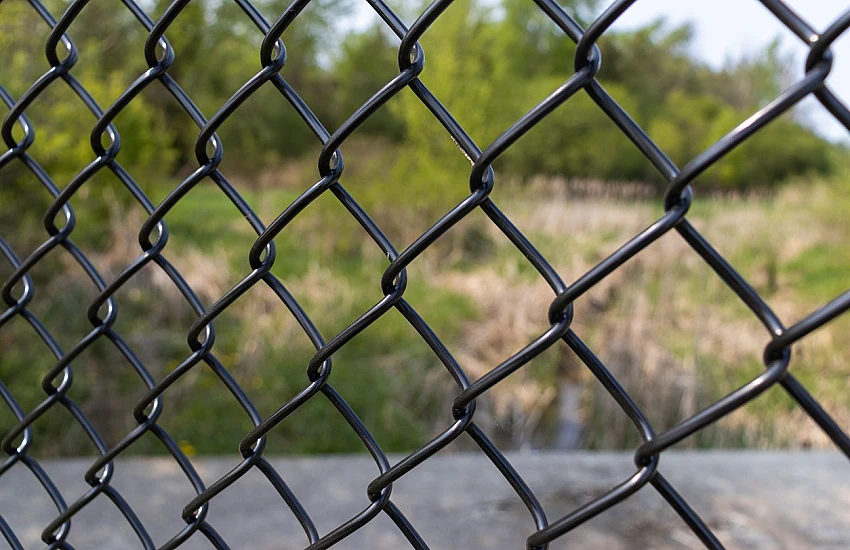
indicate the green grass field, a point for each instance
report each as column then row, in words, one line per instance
column 666, row 326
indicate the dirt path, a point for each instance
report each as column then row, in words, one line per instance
column 752, row 501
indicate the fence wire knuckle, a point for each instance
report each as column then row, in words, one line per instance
column 59, row 222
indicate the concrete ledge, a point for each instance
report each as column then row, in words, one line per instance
column 754, row 500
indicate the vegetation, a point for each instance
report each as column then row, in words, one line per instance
column 666, row 326
column 488, row 63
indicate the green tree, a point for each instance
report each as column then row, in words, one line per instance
column 368, row 61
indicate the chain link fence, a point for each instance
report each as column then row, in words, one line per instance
column 153, row 235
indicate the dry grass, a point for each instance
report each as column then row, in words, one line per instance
column 664, row 324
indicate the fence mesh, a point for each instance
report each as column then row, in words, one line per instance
column 59, row 223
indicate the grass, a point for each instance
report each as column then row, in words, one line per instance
column 664, row 323
column 820, row 272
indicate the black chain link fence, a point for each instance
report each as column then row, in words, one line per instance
column 59, row 222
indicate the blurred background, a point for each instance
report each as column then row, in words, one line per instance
column 665, row 324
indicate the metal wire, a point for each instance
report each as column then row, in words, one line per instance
column 59, row 223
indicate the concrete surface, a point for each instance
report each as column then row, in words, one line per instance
column 752, row 500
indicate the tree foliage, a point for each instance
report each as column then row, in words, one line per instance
column 489, row 63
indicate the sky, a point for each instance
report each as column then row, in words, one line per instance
column 731, row 29
column 735, row 28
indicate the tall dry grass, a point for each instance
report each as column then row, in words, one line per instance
column 664, row 324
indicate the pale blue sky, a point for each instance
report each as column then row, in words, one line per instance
column 734, row 28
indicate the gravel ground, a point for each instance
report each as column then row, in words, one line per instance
column 752, row 500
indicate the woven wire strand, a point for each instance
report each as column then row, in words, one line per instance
column 59, row 222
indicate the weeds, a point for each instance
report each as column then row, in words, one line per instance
column 666, row 326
